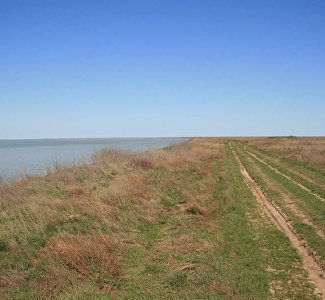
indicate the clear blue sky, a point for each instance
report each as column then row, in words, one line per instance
column 161, row 68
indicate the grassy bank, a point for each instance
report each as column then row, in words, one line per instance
column 175, row 223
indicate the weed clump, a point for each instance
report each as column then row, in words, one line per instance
column 178, row 280
column 89, row 256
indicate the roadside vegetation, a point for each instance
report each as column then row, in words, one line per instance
column 174, row 223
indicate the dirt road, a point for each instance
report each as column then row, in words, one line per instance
column 311, row 264
column 287, row 177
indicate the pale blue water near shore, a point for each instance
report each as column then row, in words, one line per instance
column 35, row 157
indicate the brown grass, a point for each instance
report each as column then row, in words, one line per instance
column 307, row 150
column 86, row 255
column 83, row 218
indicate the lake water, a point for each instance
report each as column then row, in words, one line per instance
column 35, row 157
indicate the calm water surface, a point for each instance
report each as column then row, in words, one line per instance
column 35, row 157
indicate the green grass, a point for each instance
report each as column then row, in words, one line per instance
column 235, row 263
column 251, row 239
column 195, row 232
column 294, row 165
column 310, row 205
column 150, row 231
column 55, row 193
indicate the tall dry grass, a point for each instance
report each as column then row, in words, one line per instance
column 76, row 222
column 307, row 150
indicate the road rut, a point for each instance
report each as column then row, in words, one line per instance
column 287, row 177
column 314, row 270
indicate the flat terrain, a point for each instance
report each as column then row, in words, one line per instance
column 206, row 219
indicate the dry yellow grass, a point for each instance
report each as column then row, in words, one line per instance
column 307, row 150
column 80, row 218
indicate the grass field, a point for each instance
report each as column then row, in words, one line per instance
column 175, row 223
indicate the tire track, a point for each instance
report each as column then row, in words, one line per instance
column 287, row 177
column 288, row 200
column 311, row 265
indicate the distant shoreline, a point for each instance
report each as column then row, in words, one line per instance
column 35, row 156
